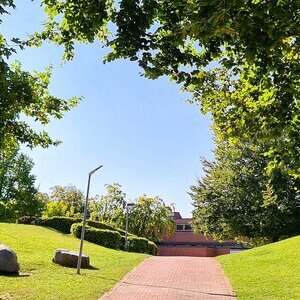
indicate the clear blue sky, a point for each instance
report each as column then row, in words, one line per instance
column 143, row 132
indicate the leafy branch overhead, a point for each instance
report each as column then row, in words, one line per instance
column 239, row 59
column 25, row 95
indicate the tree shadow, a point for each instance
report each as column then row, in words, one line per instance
column 74, row 267
column 92, row 268
column 14, row 274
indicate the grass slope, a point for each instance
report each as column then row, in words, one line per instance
column 35, row 247
column 268, row 272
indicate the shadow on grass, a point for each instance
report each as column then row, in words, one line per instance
column 82, row 268
column 55, row 230
column 92, row 268
column 15, row 274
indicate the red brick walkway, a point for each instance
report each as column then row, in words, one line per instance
column 173, row 278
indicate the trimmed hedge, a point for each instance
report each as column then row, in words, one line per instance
column 103, row 237
column 96, row 232
column 101, row 225
column 152, row 248
column 62, row 224
column 26, row 220
column 137, row 244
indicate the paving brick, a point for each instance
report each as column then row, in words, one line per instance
column 159, row 278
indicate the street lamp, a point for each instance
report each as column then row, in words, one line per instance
column 84, row 219
column 131, row 205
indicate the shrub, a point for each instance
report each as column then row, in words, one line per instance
column 101, row 225
column 137, row 244
column 26, row 220
column 62, row 224
column 152, row 248
column 103, row 237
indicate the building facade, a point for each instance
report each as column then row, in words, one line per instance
column 184, row 242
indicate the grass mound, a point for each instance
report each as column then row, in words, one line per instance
column 267, row 272
column 41, row 279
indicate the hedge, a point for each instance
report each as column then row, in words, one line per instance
column 137, row 244
column 96, row 232
column 26, row 220
column 103, row 237
column 62, row 224
column 152, row 248
column 101, row 225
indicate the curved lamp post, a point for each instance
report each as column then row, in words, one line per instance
column 84, row 219
column 131, row 205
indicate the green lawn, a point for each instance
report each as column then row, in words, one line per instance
column 35, row 247
column 268, row 272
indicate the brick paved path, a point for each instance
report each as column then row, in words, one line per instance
column 173, row 277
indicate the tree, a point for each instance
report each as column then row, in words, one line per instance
column 237, row 198
column 17, row 190
column 151, row 218
column 73, row 197
column 110, row 207
column 64, row 201
column 55, row 209
column 22, row 93
column 239, row 59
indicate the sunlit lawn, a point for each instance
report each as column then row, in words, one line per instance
column 41, row 279
column 270, row 272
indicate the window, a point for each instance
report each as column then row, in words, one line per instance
column 179, row 227
column 183, row 227
column 187, row 227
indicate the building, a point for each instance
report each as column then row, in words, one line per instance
column 184, row 242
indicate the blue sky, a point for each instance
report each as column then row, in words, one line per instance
column 143, row 132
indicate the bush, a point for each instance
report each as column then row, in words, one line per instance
column 62, row 224
column 103, row 237
column 101, row 225
column 26, row 220
column 152, row 248
column 137, row 244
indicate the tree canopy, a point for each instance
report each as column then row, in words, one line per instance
column 110, row 206
column 151, row 218
column 25, row 94
column 237, row 199
column 239, row 59
column 17, row 187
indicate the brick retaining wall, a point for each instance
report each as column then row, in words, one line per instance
column 191, row 251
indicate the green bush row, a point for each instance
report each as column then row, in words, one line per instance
column 141, row 245
column 103, row 237
column 26, row 220
column 152, row 248
column 96, row 232
column 101, row 225
column 113, row 239
column 62, row 224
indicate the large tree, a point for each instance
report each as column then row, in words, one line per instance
column 151, row 218
column 239, row 59
column 237, row 198
column 110, row 207
column 18, row 194
column 24, row 94
column 64, row 200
